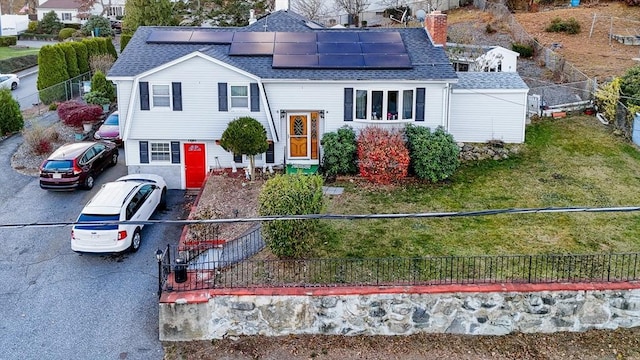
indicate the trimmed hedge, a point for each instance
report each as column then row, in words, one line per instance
column 71, row 59
column 124, row 40
column 52, row 71
column 8, row 40
column 18, row 63
column 83, row 56
column 44, row 37
column 66, row 33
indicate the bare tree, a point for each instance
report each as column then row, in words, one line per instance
column 353, row 8
column 311, row 9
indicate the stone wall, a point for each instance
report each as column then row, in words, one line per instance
column 483, row 313
column 496, row 150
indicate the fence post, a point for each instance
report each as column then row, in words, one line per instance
column 530, row 262
column 609, row 268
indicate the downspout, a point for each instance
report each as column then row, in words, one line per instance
column 272, row 125
column 447, row 105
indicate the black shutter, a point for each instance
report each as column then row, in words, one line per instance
column 144, row 152
column 270, row 154
column 348, row 104
column 144, row 95
column 420, row 104
column 223, row 104
column 175, row 152
column 237, row 158
column 255, row 97
column 177, row 96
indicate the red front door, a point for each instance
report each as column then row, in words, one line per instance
column 194, row 165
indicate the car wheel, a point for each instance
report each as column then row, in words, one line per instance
column 114, row 160
column 163, row 199
column 14, row 86
column 136, row 239
column 88, row 182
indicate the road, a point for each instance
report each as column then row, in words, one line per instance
column 27, row 93
column 57, row 304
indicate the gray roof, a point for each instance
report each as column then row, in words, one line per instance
column 489, row 80
column 60, row 4
column 428, row 61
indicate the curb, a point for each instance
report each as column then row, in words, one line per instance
column 20, row 76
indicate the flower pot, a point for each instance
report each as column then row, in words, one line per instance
column 87, row 127
column 105, row 108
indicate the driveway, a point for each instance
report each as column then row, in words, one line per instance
column 57, row 304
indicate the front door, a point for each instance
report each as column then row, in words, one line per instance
column 194, row 165
column 299, row 136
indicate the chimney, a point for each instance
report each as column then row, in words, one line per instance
column 281, row 5
column 436, row 25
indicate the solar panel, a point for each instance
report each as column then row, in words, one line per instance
column 339, row 48
column 255, row 37
column 291, row 37
column 247, row 48
column 387, row 61
column 340, row 61
column 295, row 48
column 210, row 37
column 380, row 37
column 169, row 36
column 383, row 48
column 348, row 37
column 295, row 61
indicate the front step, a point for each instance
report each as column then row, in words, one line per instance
column 306, row 169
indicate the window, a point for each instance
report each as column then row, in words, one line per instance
column 160, row 152
column 240, row 97
column 384, row 105
column 461, row 67
column 161, row 96
column 65, row 16
column 115, row 11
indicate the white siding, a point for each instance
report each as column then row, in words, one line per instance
column 483, row 115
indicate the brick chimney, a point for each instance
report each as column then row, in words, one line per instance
column 436, row 25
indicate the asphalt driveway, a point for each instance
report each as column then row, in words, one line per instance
column 57, row 304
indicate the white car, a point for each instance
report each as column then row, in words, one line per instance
column 9, row 81
column 133, row 197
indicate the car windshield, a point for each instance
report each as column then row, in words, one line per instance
column 58, row 165
column 111, row 120
column 94, row 218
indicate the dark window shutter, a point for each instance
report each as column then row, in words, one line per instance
column 175, row 152
column 348, row 104
column 144, row 152
column 237, row 158
column 420, row 104
column 176, row 88
column 255, row 97
column 223, row 103
column 144, row 95
column 270, row 154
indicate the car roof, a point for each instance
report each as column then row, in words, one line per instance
column 70, row 151
column 110, row 197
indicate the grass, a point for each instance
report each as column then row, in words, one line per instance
column 575, row 162
column 7, row 52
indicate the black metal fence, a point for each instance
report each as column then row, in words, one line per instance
column 229, row 266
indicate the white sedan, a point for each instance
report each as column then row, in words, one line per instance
column 133, row 197
column 9, row 81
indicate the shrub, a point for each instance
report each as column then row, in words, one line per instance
column 40, row 139
column 71, row 59
column 525, row 51
column 66, row 107
column 66, row 33
column 245, row 135
column 32, row 27
column 382, row 155
column 83, row 114
column 100, row 22
column 96, row 98
column 569, row 26
column 296, row 194
column 83, row 56
column 50, row 24
column 53, row 106
column 339, row 152
column 10, row 116
column 101, row 63
column 489, row 29
column 92, row 47
column 52, row 71
column 18, row 63
column 111, row 50
column 124, row 40
column 8, row 40
column 434, row 156
column 99, row 83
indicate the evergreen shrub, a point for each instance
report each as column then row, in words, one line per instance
column 434, row 155
column 339, row 152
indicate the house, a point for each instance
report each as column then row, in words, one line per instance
column 70, row 12
column 178, row 87
column 466, row 57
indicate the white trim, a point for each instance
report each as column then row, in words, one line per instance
column 230, row 98
column 152, row 105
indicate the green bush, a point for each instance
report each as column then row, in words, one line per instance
column 339, row 152
column 50, row 24
column 525, row 51
column 569, row 26
column 102, row 45
column 18, row 63
column 124, row 40
column 43, row 37
column 433, row 156
column 100, row 22
column 100, row 84
column 111, row 50
column 296, row 194
column 32, row 27
column 83, row 56
column 52, row 72
column 8, row 40
column 70, row 58
column 92, row 47
column 66, row 33
column 10, row 116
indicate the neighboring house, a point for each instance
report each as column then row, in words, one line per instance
column 482, row 58
column 179, row 87
column 68, row 11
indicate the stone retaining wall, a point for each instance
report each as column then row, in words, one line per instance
column 475, row 313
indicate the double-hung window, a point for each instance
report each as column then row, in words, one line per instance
column 161, row 96
column 65, row 16
column 240, row 97
column 384, row 105
column 160, row 151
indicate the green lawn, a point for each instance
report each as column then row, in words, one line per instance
column 6, row 52
column 574, row 162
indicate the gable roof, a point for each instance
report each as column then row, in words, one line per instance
column 489, row 80
column 60, row 4
column 428, row 62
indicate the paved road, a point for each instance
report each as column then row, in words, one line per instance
column 27, row 92
column 56, row 304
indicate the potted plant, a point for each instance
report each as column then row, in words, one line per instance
column 97, row 98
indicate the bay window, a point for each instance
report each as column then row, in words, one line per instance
column 384, row 105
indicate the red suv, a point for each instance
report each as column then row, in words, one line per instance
column 76, row 165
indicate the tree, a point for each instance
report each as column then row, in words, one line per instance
column 235, row 13
column 83, row 56
column 52, row 72
column 97, row 22
column 630, row 86
column 353, row 8
column 311, row 9
column 50, row 23
column 246, row 136
column 147, row 13
column 10, row 116
column 71, row 59
column 99, row 83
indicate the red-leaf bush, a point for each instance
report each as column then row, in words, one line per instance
column 86, row 113
column 66, row 107
column 44, row 146
column 382, row 155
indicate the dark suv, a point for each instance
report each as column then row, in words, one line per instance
column 76, row 165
